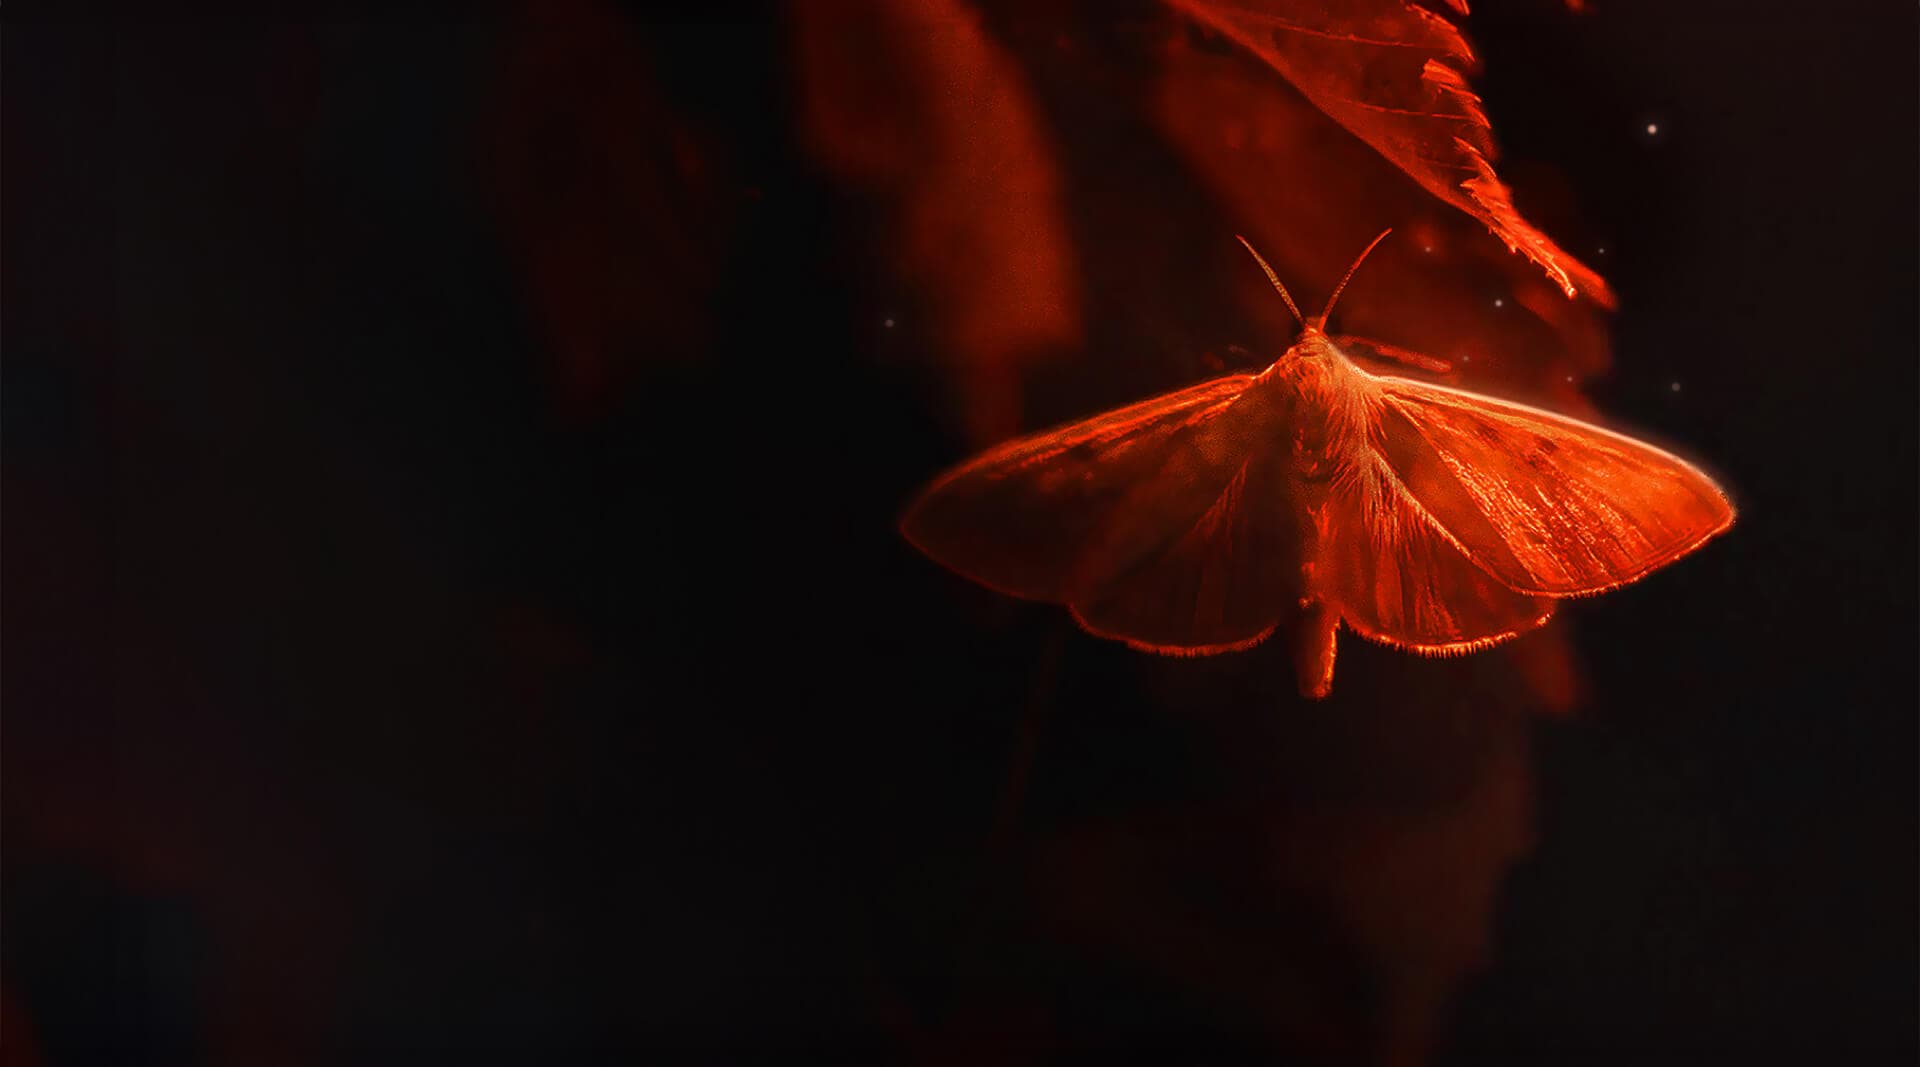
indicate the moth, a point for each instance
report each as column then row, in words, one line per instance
column 1316, row 494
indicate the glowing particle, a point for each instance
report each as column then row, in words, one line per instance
column 1499, row 303
column 1426, row 248
column 1569, row 377
column 1653, row 128
column 1675, row 387
column 888, row 324
column 1603, row 250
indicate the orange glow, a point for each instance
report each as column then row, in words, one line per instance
column 1315, row 493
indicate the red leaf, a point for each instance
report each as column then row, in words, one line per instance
column 1395, row 75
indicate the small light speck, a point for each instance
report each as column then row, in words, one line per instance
column 1426, row 248
column 1653, row 129
column 1499, row 303
column 1675, row 387
column 1466, row 359
column 1569, row 377
column 888, row 324
column 1603, row 251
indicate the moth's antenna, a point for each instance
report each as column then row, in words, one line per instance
column 1275, row 279
column 1338, row 289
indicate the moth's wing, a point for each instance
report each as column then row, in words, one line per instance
column 1203, row 557
column 1396, row 577
column 1020, row 517
column 1545, row 503
column 1160, row 524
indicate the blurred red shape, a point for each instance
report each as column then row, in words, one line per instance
column 914, row 103
column 615, row 209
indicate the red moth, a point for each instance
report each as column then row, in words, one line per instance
column 1311, row 494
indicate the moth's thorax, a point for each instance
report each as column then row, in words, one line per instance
column 1319, row 384
column 1313, row 372
column 1310, row 362
column 1313, row 343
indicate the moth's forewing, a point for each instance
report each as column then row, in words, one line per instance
column 1546, row 504
column 1205, row 556
column 1020, row 517
column 1162, row 524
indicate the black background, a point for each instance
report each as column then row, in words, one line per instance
column 358, row 707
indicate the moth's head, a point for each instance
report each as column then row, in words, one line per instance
column 1313, row 343
column 1313, row 332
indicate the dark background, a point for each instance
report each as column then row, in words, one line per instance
column 369, row 697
